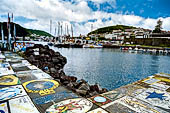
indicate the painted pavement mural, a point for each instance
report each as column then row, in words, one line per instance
column 79, row 105
column 150, row 95
column 9, row 80
column 100, row 100
column 4, row 107
column 22, row 105
column 11, row 92
column 98, row 110
column 42, row 87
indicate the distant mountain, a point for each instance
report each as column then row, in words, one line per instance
column 109, row 29
column 21, row 31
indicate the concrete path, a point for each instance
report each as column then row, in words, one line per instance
column 26, row 89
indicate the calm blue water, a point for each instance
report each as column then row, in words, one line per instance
column 112, row 68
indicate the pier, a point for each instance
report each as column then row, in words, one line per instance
column 26, row 88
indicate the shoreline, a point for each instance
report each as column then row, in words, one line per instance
column 53, row 63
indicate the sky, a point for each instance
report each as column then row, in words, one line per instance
column 36, row 14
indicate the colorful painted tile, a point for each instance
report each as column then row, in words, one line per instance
column 98, row 110
column 44, row 102
column 20, row 68
column 9, row 80
column 163, row 79
column 39, row 74
column 32, row 67
column 25, row 76
column 42, row 87
column 4, row 107
column 150, row 81
column 113, row 95
column 139, row 106
column 117, row 107
column 163, row 75
column 11, row 92
column 129, row 89
column 6, row 71
column 78, row 105
column 157, row 98
column 160, row 86
column 57, row 97
column 100, row 100
column 22, row 105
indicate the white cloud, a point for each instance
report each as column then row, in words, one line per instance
column 45, row 10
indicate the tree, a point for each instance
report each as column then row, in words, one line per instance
column 158, row 27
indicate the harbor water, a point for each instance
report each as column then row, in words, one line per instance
column 112, row 68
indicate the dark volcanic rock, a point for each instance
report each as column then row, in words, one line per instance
column 53, row 63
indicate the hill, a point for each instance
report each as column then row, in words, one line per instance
column 38, row 32
column 21, row 31
column 109, row 29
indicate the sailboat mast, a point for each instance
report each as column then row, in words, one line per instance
column 72, row 30
column 2, row 34
column 50, row 26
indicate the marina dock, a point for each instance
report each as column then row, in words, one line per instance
column 24, row 88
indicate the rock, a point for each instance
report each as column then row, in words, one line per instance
column 84, row 86
column 81, row 92
column 91, row 94
column 53, row 63
column 94, row 88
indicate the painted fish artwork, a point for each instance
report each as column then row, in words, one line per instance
column 11, row 92
column 79, row 105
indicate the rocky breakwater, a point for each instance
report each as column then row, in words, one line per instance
column 53, row 63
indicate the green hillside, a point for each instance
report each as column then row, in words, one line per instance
column 38, row 32
column 21, row 31
column 109, row 29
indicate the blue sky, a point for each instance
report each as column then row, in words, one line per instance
column 36, row 14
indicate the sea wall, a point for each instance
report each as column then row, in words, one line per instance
column 53, row 63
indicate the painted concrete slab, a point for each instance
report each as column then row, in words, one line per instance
column 12, row 92
column 23, row 68
column 98, row 110
column 78, row 105
column 9, row 80
column 4, row 107
column 113, row 95
column 39, row 74
column 46, row 93
column 32, row 67
column 99, row 100
column 25, row 76
column 22, row 105
column 6, row 71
